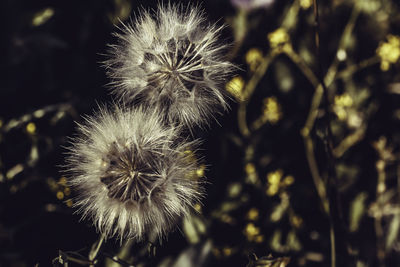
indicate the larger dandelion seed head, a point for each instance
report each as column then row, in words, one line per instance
column 132, row 175
column 171, row 59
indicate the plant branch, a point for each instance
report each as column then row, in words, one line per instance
column 249, row 90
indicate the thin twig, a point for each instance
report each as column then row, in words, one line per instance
column 37, row 114
column 319, row 183
column 349, row 141
column 242, row 120
column 350, row 70
column 303, row 67
column 333, row 195
column 287, row 23
column 382, row 197
column 249, row 90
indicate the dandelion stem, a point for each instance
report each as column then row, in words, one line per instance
column 96, row 248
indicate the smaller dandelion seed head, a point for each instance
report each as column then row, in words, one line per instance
column 132, row 173
column 172, row 59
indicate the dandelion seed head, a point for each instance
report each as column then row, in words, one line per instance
column 172, row 59
column 131, row 173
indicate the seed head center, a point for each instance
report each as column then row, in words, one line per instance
column 126, row 177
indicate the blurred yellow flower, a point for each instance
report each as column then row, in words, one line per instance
column 253, row 58
column 340, row 113
column 62, row 181
column 200, row 170
column 251, row 173
column 252, row 214
column 289, row 180
column 42, row 16
column 271, row 110
column 197, row 207
column 278, row 37
column 306, row 4
column 250, row 168
column 31, row 128
column 344, row 100
column 274, row 179
column 226, row 219
column 252, row 233
column 67, row 191
column 389, row 51
column 69, row 202
column 60, row 195
column 252, row 230
column 122, row 10
column 259, row 239
column 235, row 87
column 296, row 221
column 341, row 103
column 227, row 251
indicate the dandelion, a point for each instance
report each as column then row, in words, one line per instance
column 131, row 173
column 171, row 59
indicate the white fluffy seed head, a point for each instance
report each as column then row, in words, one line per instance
column 132, row 175
column 172, row 59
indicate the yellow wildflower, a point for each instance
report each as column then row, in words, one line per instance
column 274, row 179
column 197, row 207
column 296, row 221
column 62, row 181
column 31, row 128
column 253, row 58
column 60, row 195
column 252, row 214
column 271, row 110
column 389, row 51
column 250, row 168
column 306, row 4
column 235, row 87
column 289, row 180
column 227, row 251
column 200, row 170
column 341, row 104
column 42, row 16
column 252, row 233
column 278, row 38
column 251, row 174
column 344, row 100
column 69, row 203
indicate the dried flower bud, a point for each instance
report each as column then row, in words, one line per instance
column 171, row 59
column 132, row 174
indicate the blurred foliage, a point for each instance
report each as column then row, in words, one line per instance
column 306, row 161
